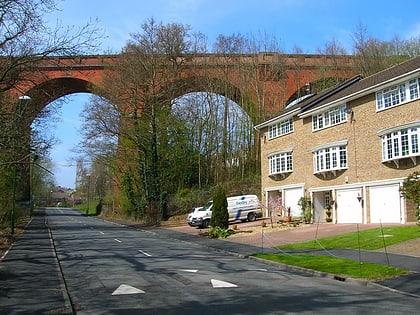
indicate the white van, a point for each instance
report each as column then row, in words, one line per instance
column 245, row 207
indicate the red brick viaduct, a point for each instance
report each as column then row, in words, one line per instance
column 262, row 83
column 275, row 78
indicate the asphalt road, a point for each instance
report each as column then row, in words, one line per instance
column 109, row 268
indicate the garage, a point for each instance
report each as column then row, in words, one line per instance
column 349, row 206
column 291, row 199
column 385, row 205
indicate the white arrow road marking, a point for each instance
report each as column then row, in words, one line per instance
column 144, row 253
column 222, row 284
column 117, row 240
column 190, row 270
column 127, row 289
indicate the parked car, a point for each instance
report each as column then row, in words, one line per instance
column 190, row 215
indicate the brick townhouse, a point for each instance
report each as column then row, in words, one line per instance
column 348, row 148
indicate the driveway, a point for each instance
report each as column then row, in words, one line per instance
column 253, row 233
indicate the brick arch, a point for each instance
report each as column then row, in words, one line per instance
column 193, row 84
column 50, row 90
column 229, row 90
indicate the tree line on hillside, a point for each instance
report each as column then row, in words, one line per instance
column 161, row 151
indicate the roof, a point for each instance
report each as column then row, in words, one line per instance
column 361, row 87
column 345, row 91
column 305, row 102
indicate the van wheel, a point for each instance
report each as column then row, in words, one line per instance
column 206, row 224
column 251, row 216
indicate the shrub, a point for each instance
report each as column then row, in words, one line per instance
column 217, row 232
column 306, row 207
column 220, row 214
column 411, row 190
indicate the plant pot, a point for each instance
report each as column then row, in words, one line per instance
column 328, row 219
column 288, row 218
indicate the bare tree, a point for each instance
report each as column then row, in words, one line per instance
column 26, row 40
column 139, row 89
column 373, row 55
column 332, row 69
column 228, row 47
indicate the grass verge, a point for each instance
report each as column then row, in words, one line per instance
column 337, row 266
column 367, row 240
column 364, row 240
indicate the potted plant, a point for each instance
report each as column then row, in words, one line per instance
column 328, row 212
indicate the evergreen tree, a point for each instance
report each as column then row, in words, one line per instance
column 220, row 214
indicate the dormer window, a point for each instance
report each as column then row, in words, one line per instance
column 331, row 117
column 281, row 128
column 398, row 94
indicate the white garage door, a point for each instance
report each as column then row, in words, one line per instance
column 349, row 208
column 385, row 204
column 291, row 199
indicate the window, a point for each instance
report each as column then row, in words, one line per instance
column 398, row 94
column 279, row 129
column 413, row 85
column 330, row 159
column 280, row 163
column 327, row 199
column 329, row 118
column 400, row 144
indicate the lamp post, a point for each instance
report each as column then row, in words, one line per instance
column 12, row 213
column 31, row 185
column 88, row 190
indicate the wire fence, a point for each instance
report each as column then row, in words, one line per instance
column 273, row 242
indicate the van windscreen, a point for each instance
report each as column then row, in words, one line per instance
column 206, row 206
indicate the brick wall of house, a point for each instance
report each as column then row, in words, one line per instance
column 364, row 148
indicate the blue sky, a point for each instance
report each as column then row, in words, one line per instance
column 303, row 23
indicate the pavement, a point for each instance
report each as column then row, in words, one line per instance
column 30, row 278
column 31, row 281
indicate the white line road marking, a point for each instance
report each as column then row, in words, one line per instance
column 222, row 284
column 262, row 269
column 144, row 253
column 190, row 270
column 117, row 240
column 127, row 289
column 102, row 233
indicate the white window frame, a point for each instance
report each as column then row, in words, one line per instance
column 331, row 117
column 280, row 162
column 330, row 158
column 398, row 94
column 401, row 143
column 281, row 128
